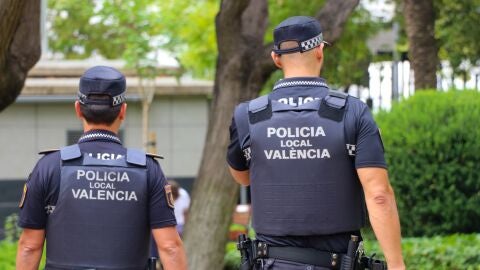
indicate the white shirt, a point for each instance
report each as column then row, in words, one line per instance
column 181, row 205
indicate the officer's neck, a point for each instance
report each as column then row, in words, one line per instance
column 90, row 126
column 300, row 72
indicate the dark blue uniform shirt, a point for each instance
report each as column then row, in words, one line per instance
column 44, row 182
column 359, row 124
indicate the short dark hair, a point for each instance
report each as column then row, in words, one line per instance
column 175, row 189
column 99, row 114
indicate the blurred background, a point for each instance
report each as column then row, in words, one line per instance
column 415, row 63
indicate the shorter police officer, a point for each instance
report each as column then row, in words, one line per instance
column 96, row 202
column 313, row 159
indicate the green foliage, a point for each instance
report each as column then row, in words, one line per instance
column 432, row 147
column 347, row 61
column 8, row 252
column 458, row 33
column 112, row 28
column 133, row 29
column 12, row 231
column 232, row 257
column 453, row 252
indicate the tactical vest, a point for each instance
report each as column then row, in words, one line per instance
column 303, row 182
column 100, row 220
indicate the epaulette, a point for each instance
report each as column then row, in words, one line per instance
column 48, row 151
column 154, row 155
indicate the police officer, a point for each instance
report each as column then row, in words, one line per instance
column 96, row 202
column 313, row 158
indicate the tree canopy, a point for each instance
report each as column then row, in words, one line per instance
column 457, row 29
column 134, row 29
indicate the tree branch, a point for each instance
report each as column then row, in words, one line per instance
column 19, row 45
column 333, row 16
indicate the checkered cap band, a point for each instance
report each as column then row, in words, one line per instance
column 82, row 98
column 352, row 149
column 311, row 43
column 116, row 100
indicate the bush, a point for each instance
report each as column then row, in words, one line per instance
column 8, row 251
column 453, row 252
column 433, row 151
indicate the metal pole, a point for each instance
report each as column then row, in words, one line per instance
column 396, row 57
column 43, row 27
column 243, row 195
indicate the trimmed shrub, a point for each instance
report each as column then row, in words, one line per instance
column 432, row 146
column 453, row 252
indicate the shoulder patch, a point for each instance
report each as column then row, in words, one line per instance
column 24, row 195
column 48, row 151
column 154, row 155
column 169, row 196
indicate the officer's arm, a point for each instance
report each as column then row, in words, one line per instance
column 241, row 177
column 382, row 210
column 170, row 248
column 30, row 247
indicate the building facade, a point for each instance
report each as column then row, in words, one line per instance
column 43, row 117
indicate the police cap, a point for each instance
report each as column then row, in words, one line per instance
column 102, row 80
column 306, row 31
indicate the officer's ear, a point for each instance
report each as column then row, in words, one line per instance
column 319, row 51
column 123, row 111
column 78, row 112
column 277, row 59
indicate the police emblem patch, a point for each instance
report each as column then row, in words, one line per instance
column 24, row 195
column 169, row 196
column 381, row 139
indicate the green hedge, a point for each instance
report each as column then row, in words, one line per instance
column 432, row 143
column 8, row 251
column 453, row 252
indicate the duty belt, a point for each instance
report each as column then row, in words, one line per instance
column 300, row 255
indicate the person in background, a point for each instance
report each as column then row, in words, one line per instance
column 181, row 203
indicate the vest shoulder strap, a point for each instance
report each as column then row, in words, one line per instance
column 48, row 151
column 137, row 157
column 70, row 152
column 155, row 156
column 241, row 123
column 259, row 109
column 333, row 105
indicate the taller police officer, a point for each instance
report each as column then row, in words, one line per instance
column 312, row 158
column 96, row 202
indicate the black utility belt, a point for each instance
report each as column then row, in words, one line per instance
column 300, row 255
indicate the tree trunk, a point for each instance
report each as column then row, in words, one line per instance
column 243, row 66
column 19, row 45
column 423, row 50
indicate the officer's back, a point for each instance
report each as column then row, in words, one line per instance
column 312, row 158
column 96, row 202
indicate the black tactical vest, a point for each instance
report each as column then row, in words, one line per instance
column 303, row 181
column 101, row 217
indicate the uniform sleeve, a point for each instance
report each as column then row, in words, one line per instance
column 369, row 150
column 32, row 205
column 161, row 215
column 235, row 157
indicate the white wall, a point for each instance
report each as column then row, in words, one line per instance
column 179, row 123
